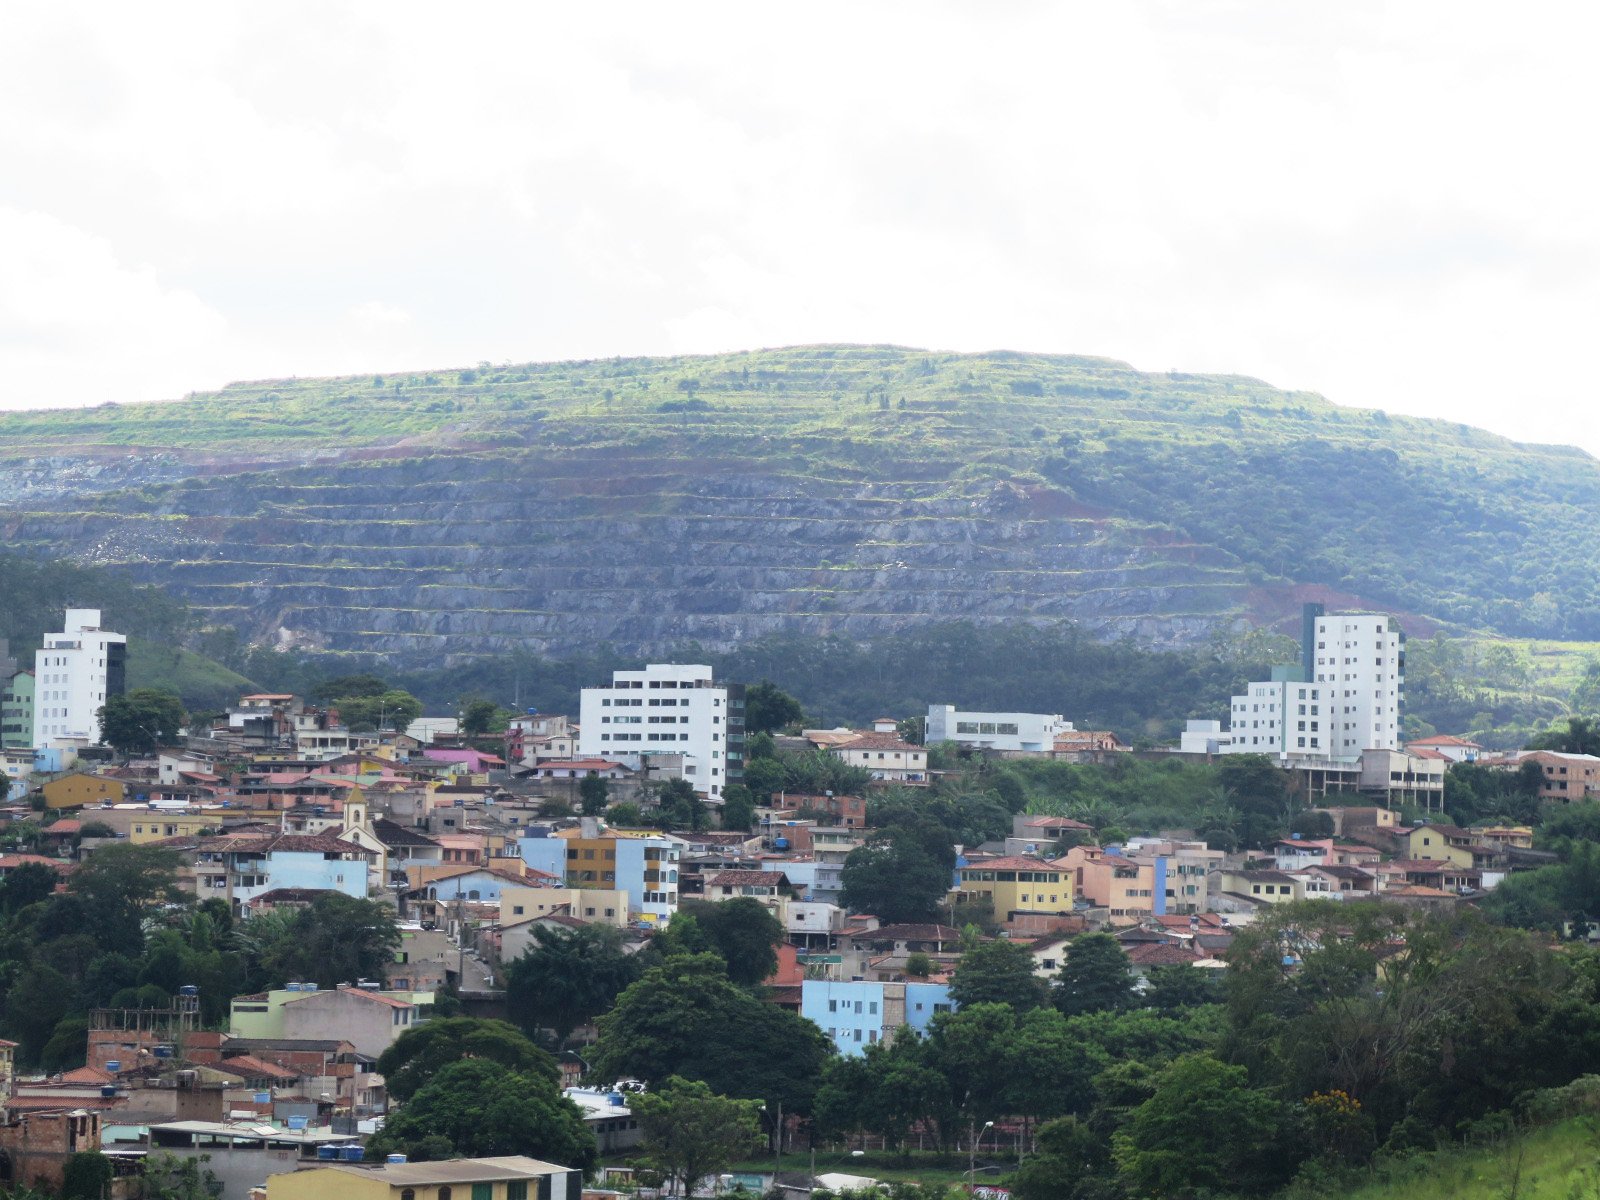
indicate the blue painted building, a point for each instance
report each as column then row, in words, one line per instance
column 858, row 1014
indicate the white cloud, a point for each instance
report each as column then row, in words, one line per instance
column 1389, row 204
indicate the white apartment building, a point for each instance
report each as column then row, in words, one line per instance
column 1345, row 700
column 993, row 730
column 74, row 672
column 667, row 708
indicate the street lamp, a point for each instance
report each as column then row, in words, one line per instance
column 974, row 1136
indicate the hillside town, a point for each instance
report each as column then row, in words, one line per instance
column 659, row 800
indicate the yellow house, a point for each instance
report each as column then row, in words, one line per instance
column 152, row 827
column 79, row 788
column 511, row 1178
column 1017, row 884
column 604, row 906
column 1440, row 843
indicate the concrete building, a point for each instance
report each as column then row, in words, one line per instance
column 16, row 711
column 508, row 1178
column 368, row 1019
column 858, row 1014
column 1032, row 732
column 75, row 672
column 641, row 863
column 1343, row 697
column 668, row 708
column 1016, row 884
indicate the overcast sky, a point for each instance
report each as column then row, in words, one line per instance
column 1394, row 205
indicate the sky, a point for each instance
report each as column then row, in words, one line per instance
column 1390, row 204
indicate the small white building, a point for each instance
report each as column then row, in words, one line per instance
column 667, row 708
column 1034, row 732
column 75, row 671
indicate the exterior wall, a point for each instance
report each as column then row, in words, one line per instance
column 368, row 1025
column 666, row 708
column 74, row 673
column 329, row 1183
column 521, row 903
column 1034, row 732
column 1567, row 777
column 1046, row 889
column 645, row 866
column 74, row 791
column 895, row 766
column 16, row 712
column 153, row 826
column 1431, row 844
column 1276, row 891
column 858, row 1014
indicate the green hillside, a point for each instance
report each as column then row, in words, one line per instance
column 850, row 490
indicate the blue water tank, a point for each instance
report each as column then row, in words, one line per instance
column 327, row 1153
column 297, row 1123
column 163, row 1051
column 615, row 1098
column 781, row 843
column 113, row 1065
column 263, row 1097
column 108, row 1091
column 352, row 1153
column 188, row 989
column 395, row 1160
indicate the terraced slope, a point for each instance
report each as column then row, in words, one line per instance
column 844, row 489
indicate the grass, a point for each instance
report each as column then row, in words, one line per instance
column 202, row 683
column 1559, row 1162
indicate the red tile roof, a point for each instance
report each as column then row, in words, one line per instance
column 748, row 878
column 1015, row 862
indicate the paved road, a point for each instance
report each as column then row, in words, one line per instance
column 434, row 945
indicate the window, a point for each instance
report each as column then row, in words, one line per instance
column 444, row 1193
column 517, row 1189
column 483, row 1191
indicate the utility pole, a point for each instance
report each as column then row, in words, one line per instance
column 777, row 1161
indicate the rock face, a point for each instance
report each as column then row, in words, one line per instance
column 477, row 553
column 851, row 490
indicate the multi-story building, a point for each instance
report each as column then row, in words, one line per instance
column 858, row 1014
column 16, row 711
column 638, row 862
column 668, row 708
column 1017, row 731
column 1016, row 884
column 75, row 672
column 1341, row 700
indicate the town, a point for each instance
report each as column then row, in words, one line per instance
column 326, row 945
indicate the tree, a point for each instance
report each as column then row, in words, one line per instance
column 1260, row 790
column 419, row 1054
column 1183, row 985
column 900, row 876
column 627, row 816
column 595, row 792
column 567, row 978
column 478, row 717
column 336, row 938
column 86, row 1176
column 141, row 720
column 685, row 1017
column 394, row 709
column 767, row 708
column 1580, row 736
column 999, row 972
column 1094, row 977
column 480, row 1108
column 1068, row 1156
column 742, row 931
column 918, row 965
column 346, row 687
column 738, row 808
column 680, row 805
column 118, row 886
column 1170, row 1145
column 166, row 1176
column 27, row 884
column 690, row 1132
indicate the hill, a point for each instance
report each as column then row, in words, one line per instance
column 445, row 516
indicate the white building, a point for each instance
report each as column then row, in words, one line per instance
column 1344, row 699
column 993, row 730
column 668, row 708
column 74, row 672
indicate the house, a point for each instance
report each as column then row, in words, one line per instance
column 1567, row 777
column 849, row 812
column 1453, row 748
column 1270, row 887
column 1448, row 842
column 607, row 1116
column 885, row 755
column 509, row 1178
column 366, row 1018
column 238, row 869
column 1347, row 821
column 1015, row 884
column 79, row 788
column 1045, row 830
column 771, row 889
column 1507, row 837
column 858, row 1014
column 1083, row 745
column 36, row 1144
column 1124, row 888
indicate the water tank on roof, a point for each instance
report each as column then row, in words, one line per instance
column 265, row 1098
column 781, row 843
column 291, row 986
column 113, row 1065
column 164, row 1050
column 188, row 989
column 308, row 987
column 352, row 1153
column 395, row 1160
column 327, row 1153
column 615, row 1099
column 108, row 1091
column 297, row 1124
